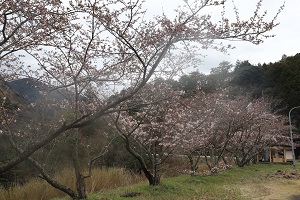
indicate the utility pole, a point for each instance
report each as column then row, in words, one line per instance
column 291, row 134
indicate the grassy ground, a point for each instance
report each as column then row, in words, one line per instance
column 258, row 182
column 251, row 182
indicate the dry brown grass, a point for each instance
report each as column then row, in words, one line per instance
column 40, row 189
column 179, row 165
column 272, row 189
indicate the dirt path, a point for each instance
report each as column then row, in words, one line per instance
column 281, row 186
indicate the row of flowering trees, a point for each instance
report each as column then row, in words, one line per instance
column 89, row 47
column 214, row 126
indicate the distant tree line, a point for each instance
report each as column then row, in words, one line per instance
column 279, row 80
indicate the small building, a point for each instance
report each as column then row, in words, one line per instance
column 276, row 154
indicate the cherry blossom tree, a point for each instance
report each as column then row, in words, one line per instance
column 25, row 24
column 221, row 128
column 228, row 128
column 245, row 127
column 154, row 127
column 149, row 135
column 258, row 127
column 210, row 125
column 203, row 140
column 98, row 47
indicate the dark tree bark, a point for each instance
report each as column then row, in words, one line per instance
column 153, row 179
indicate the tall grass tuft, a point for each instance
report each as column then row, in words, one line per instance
column 102, row 179
column 111, row 178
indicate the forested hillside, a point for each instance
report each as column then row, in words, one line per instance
column 279, row 80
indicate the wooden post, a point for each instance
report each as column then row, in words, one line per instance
column 284, row 154
column 270, row 155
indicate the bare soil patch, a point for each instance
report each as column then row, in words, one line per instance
column 282, row 185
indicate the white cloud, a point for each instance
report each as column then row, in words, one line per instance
column 286, row 41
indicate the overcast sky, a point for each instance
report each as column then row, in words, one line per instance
column 286, row 41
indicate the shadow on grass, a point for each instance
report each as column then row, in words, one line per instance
column 295, row 197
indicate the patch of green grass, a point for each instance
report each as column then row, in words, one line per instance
column 220, row 186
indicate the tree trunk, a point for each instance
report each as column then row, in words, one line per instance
column 80, row 182
column 152, row 179
column 193, row 163
column 51, row 181
column 80, row 186
column 156, row 180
